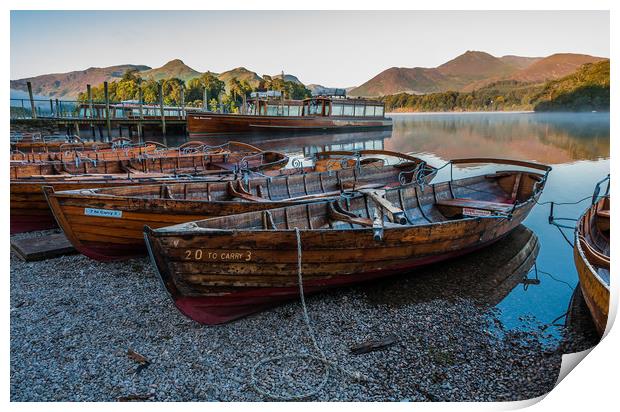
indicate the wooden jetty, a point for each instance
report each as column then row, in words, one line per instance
column 42, row 247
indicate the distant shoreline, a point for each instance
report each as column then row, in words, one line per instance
column 462, row 112
column 487, row 112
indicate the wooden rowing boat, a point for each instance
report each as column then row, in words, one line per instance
column 220, row 269
column 122, row 149
column 229, row 157
column 58, row 146
column 29, row 208
column 107, row 223
column 591, row 252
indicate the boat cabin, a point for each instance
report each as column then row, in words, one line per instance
column 316, row 106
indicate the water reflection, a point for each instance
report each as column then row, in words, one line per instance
column 307, row 144
column 550, row 138
column 487, row 276
column 579, row 321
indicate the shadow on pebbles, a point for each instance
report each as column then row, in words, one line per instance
column 82, row 330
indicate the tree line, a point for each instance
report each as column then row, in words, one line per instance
column 219, row 94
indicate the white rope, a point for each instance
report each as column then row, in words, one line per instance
column 321, row 358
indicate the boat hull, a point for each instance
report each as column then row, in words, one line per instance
column 594, row 289
column 119, row 235
column 207, row 124
column 215, row 276
column 214, row 310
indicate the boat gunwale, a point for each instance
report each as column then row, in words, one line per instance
column 174, row 230
column 582, row 256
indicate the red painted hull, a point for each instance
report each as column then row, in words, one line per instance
column 106, row 252
column 206, row 124
column 29, row 223
column 214, row 310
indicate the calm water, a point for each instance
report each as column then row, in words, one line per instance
column 575, row 145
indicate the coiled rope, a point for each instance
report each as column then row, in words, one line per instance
column 322, row 358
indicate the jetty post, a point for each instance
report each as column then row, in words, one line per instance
column 91, row 115
column 32, row 107
column 106, row 96
column 141, row 113
column 163, row 115
column 182, row 114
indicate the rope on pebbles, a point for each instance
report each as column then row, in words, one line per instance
column 322, row 358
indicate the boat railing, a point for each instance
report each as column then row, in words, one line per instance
column 597, row 189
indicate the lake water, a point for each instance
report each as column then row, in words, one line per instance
column 575, row 145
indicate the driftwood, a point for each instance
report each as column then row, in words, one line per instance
column 373, row 345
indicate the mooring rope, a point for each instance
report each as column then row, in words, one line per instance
column 322, row 358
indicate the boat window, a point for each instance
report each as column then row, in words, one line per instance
column 379, row 111
column 348, row 110
column 337, row 109
column 359, row 110
column 315, row 107
column 294, row 110
column 272, row 110
column 370, row 111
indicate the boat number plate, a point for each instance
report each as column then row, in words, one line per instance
column 222, row 256
column 103, row 212
column 475, row 212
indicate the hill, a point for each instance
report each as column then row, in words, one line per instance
column 241, row 74
column 471, row 71
column 519, row 61
column 585, row 90
column 174, row 68
column 553, row 67
column 68, row 85
column 287, row 78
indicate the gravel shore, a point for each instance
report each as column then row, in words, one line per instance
column 73, row 321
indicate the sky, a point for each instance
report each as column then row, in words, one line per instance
column 332, row 48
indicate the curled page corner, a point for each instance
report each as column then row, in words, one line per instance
column 569, row 361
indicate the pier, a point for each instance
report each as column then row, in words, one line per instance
column 98, row 120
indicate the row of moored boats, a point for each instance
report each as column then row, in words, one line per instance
column 232, row 229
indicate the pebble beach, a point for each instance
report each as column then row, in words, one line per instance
column 83, row 330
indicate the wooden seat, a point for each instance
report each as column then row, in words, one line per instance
column 602, row 220
column 452, row 207
column 603, row 213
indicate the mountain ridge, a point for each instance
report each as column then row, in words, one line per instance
column 468, row 71
column 472, row 70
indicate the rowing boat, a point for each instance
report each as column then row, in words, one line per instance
column 29, row 208
column 38, row 146
column 220, row 269
column 121, row 149
column 107, row 223
column 591, row 252
column 229, row 157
